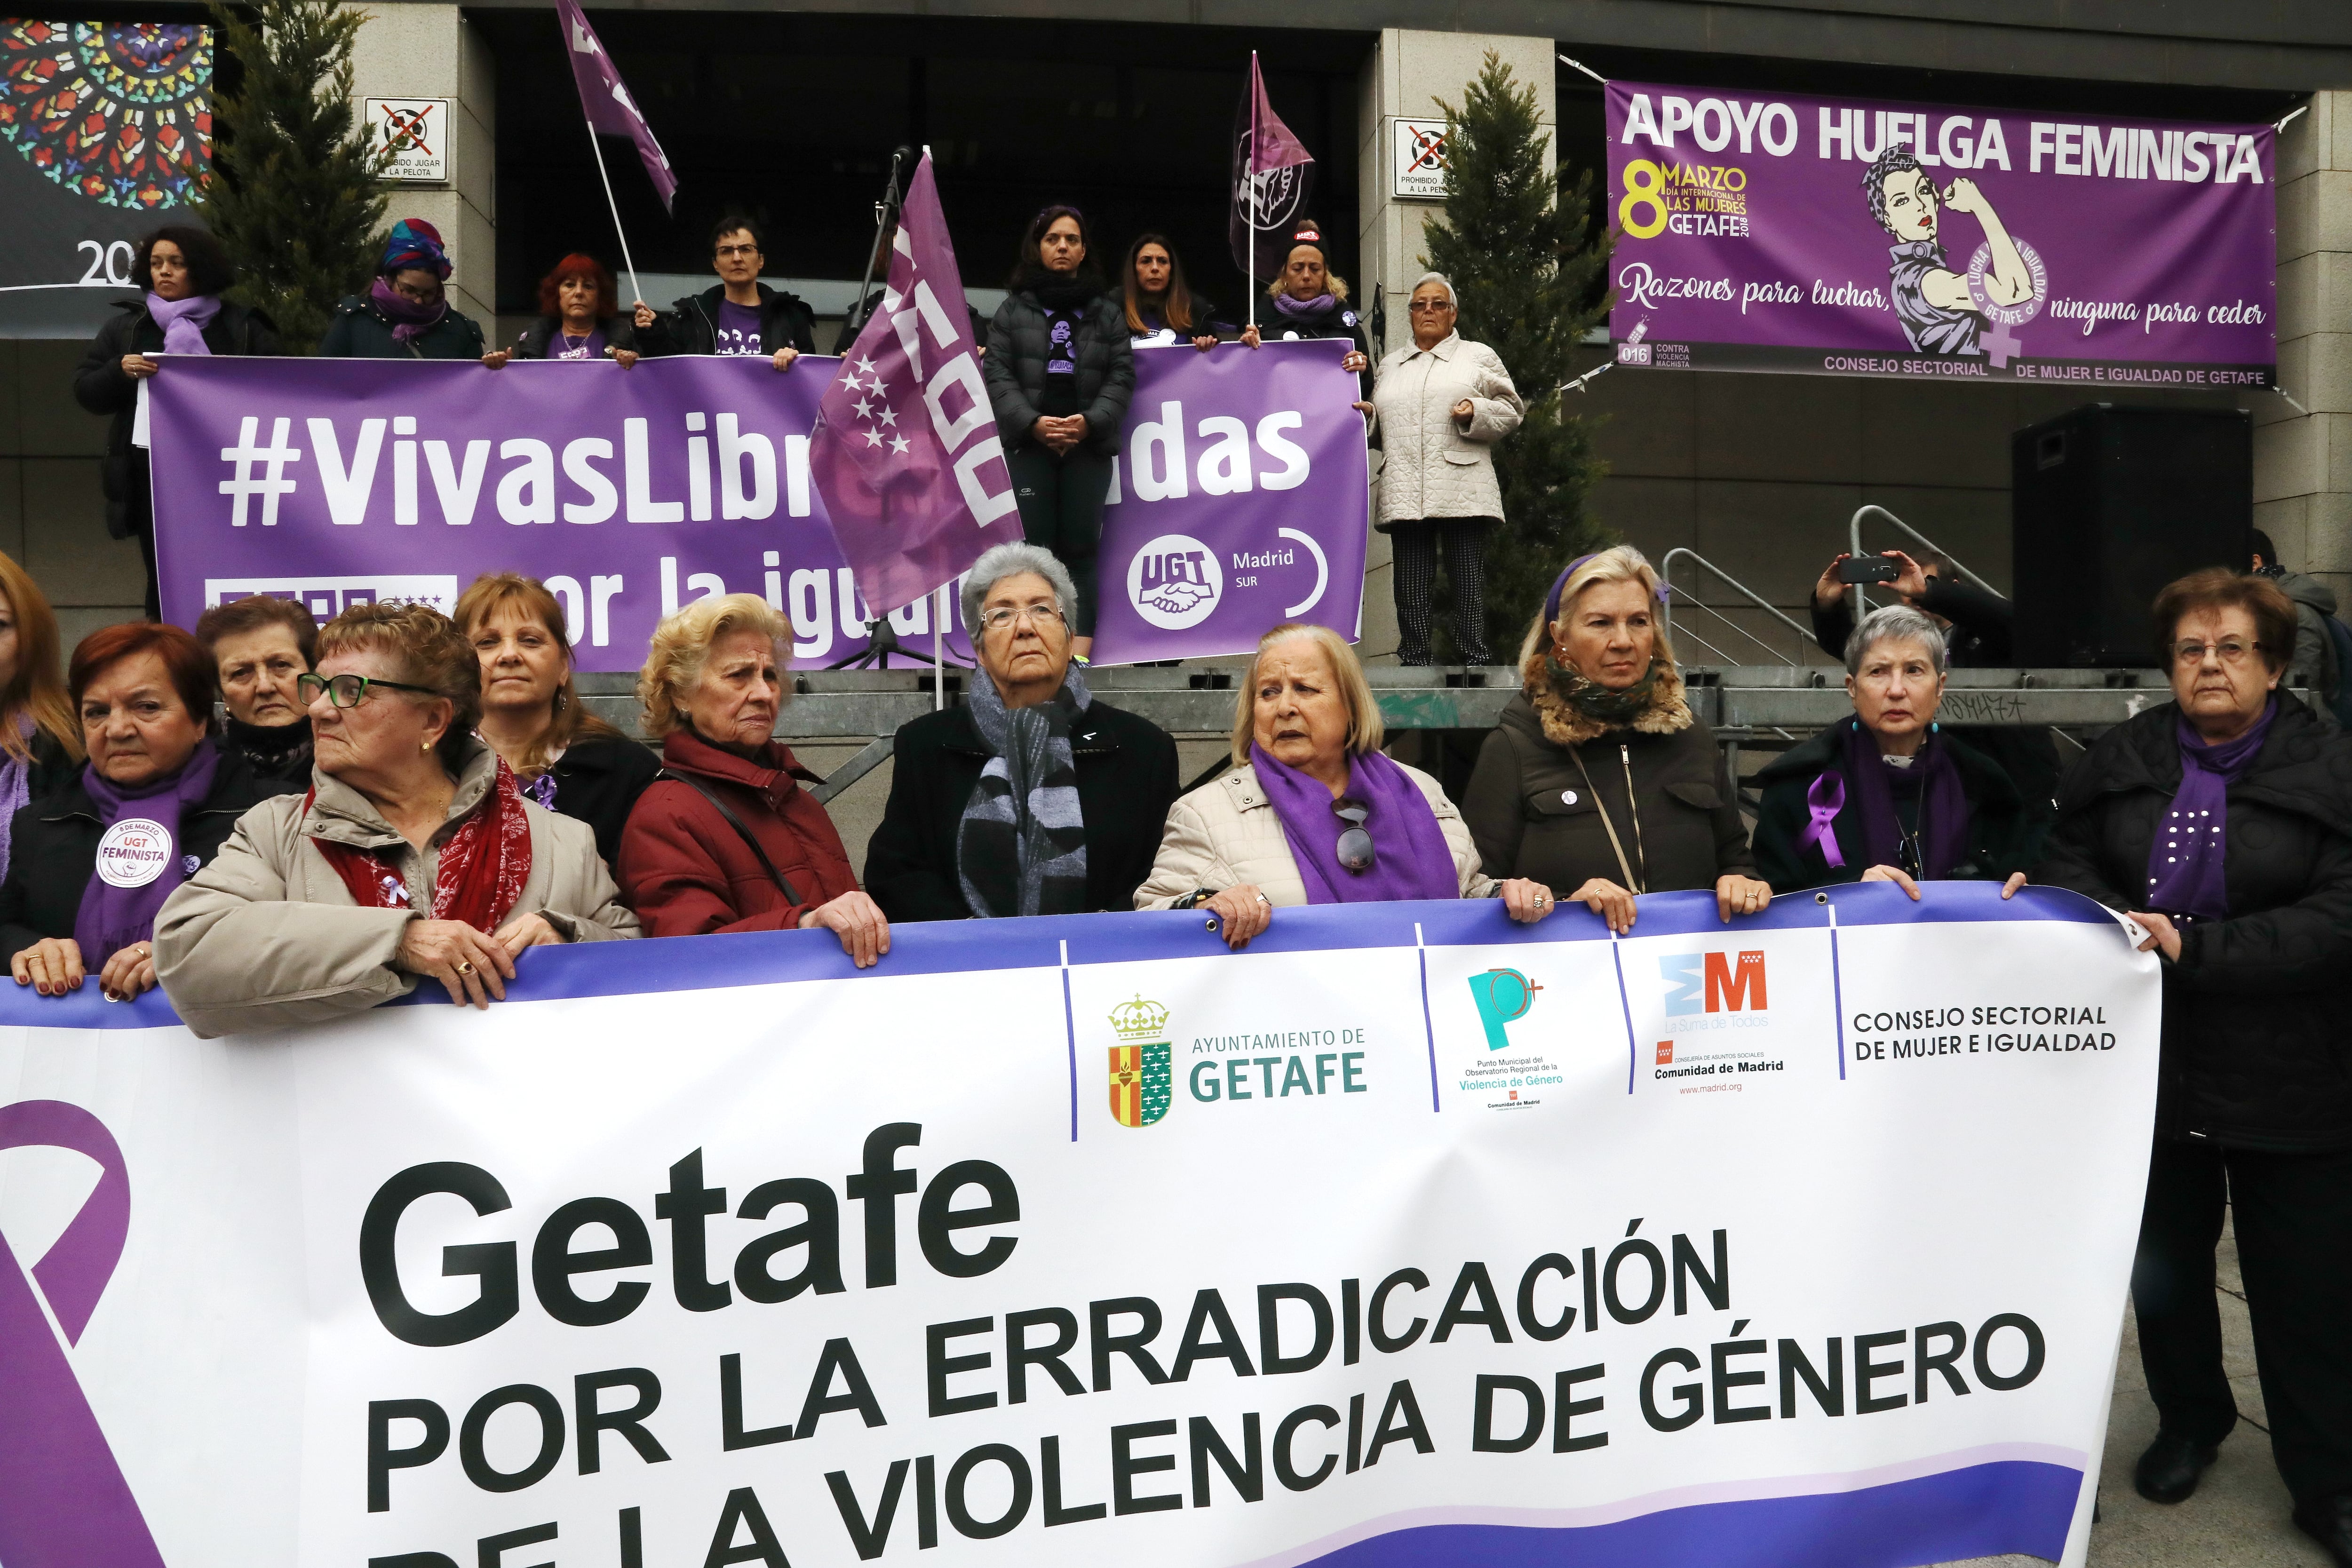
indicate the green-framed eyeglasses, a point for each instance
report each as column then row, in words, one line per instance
column 349, row 690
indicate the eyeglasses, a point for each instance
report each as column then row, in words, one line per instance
column 1038, row 615
column 1356, row 851
column 349, row 690
column 2231, row 650
column 727, row 251
column 1429, row 306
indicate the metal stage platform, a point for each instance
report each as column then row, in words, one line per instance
column 1764, row 707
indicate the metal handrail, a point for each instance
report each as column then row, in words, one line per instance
column 1666, row 574
column 1854, row 536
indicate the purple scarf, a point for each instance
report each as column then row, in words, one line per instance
column 1313, row 309
column 137, row 867
column 15, row 785
column 1409, row 858
column 2185, row 860
column 183, row 321
column 411, row 320
column 1862, row 777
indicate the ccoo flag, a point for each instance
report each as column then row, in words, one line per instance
column 904, row 450
column 1273, row 175
column 605, row 99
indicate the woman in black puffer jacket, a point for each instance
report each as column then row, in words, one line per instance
column 2226, row 816
column 1060, row 371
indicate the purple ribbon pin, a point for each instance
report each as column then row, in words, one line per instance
column 63, row 1500
column 1824, row 801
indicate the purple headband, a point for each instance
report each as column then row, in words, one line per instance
column 1551, row 600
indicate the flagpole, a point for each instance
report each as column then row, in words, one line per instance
column 940, row 594
column 596, row 144
column 1249, row 177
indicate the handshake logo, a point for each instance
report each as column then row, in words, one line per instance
column 1502, row 995
column 1174, row 581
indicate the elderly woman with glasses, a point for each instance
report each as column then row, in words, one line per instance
column 1442, row 404
column 1313, row 812
column 1033, row 798
column 413, row 855
column 726, row 840
column 1885, row 796
column 92, row 861
column 1599, row 777
column 2220, row 822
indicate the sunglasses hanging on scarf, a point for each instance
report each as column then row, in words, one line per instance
column 1356, row 851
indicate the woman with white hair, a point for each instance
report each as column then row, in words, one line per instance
column 1442, row 404
column 1885, row 796
column 725, row 839
column 1312, row 812
column 1599, row 777
column 1031, row 798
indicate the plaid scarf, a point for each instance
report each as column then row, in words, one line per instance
column 1021, row 849
column 482, row 869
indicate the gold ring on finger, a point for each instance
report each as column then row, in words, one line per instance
column 463, row 967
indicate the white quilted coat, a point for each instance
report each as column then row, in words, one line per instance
column 1226, row 833
column 1434, row 466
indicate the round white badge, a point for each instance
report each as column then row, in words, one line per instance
column 133, row 852
column 1568, row 797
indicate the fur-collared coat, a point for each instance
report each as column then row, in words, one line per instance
column 1535, row 813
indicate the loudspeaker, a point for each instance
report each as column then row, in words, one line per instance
column 2108, row 504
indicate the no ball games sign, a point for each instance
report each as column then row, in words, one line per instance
column 1417, row 153
column 416, row 131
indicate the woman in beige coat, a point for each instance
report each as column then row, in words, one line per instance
column 1313, row 812
column 414, row 854
column 1442, row 403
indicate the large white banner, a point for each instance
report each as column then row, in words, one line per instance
column 1405, row 1236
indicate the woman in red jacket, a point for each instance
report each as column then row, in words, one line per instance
column 725, row 839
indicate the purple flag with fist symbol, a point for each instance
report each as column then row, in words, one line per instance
column 905, row 452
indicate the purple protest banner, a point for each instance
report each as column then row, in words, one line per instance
column 627, row 492
column 1846, row 236
column 63, row 1500
column 1240, row 501
column 905, row 451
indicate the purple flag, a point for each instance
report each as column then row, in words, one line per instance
column 605, row 99
column 905, row 452
column 1273, row 175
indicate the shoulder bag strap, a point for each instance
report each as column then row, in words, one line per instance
column 1632, row 884
column 735, row 822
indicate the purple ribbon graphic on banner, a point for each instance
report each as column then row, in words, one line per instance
column 1824, row 801
column 63, row 1500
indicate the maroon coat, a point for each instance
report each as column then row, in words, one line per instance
column 686, row 871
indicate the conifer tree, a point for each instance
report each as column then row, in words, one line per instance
column 293, row 193
column 1525, row 271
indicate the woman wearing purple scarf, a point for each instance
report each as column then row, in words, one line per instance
column 405, row 313
column 91, row 863
column 1313, row 812
column 182, row 271
column 1887, row 796
column 1310, row 301
column 2221, row 822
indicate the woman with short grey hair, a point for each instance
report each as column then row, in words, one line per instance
column 1442, row 403
column 1031, row 798
column 1885, row 796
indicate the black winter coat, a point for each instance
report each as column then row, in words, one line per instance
column 2256, row 1050
column 1532, row 812
column 597, row 781
column 100, row 386
column 620, row 332
column 1273, row 327
column 1127, row 782
column 1996, row 827
column 691, row 326
column 53, row 851
column 1014, row 368
column 1980, row 639
column 361, row 330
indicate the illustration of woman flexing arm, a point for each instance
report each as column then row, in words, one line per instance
column 1931, row 300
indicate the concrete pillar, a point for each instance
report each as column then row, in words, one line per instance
column 2303, row 459
column 432, row 51
column 1409, row 72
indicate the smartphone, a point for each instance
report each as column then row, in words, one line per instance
column 1868, row 569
